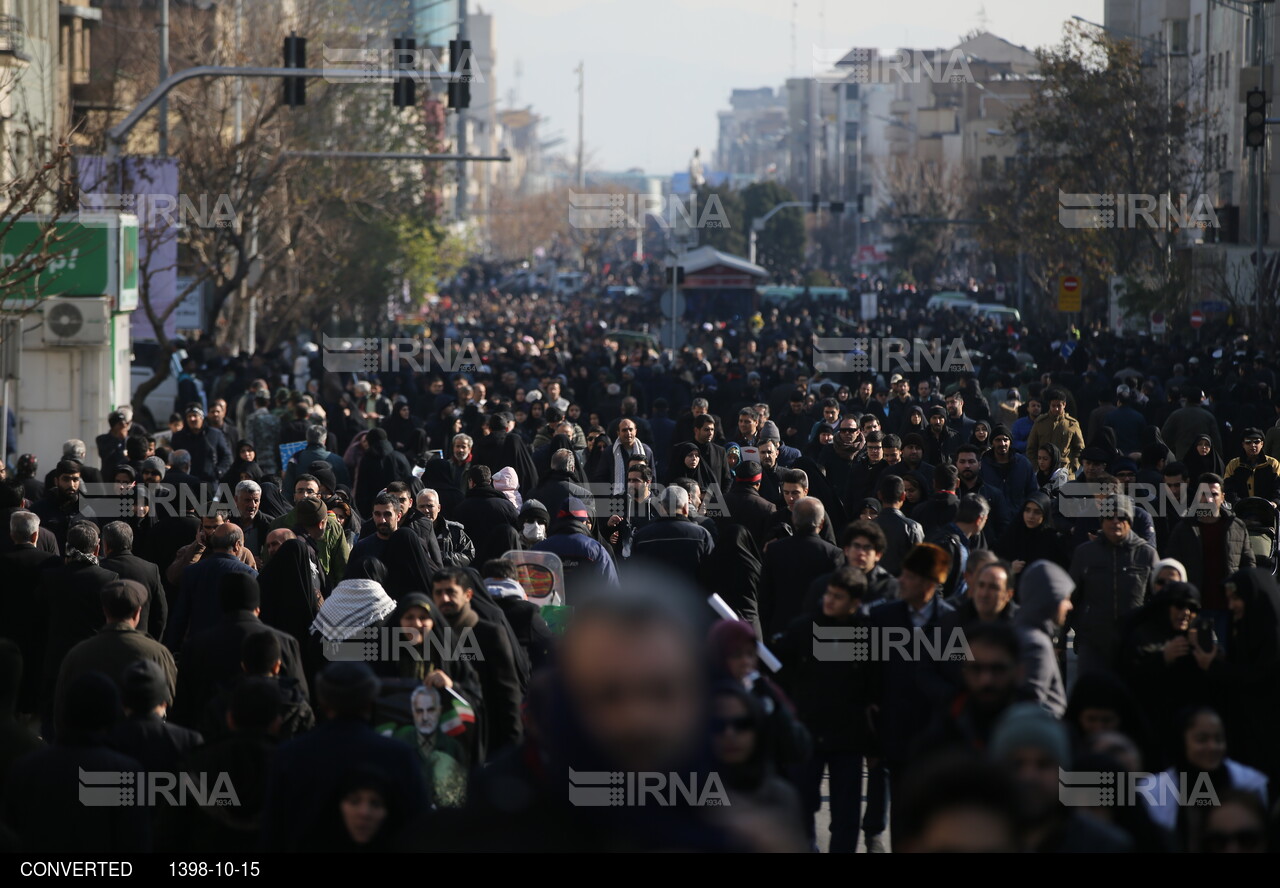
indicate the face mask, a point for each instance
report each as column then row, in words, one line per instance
column 534, row 532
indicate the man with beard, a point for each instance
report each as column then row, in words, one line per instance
column 1008, row 470
column 867, row 469
column 956, row 420
column 940, row 441
column 913, row 456
column 714, row 468
column 386, row 519
column 991, row 681
column 970, row 468
column 451, row 592
column 60, row 507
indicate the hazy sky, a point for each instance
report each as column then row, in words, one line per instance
column 657, row 71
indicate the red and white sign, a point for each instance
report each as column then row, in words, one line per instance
column 1157, row 323
column 1197, row 319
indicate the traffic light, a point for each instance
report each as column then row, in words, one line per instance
column 460, row 63
column 402, row 88
column 295, row 56
column 814, row 200
column 1255, row 118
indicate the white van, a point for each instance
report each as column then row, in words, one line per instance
column 954, row 300
column 997, row 312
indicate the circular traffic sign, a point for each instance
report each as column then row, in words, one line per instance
column 1071, row 284
column 1197, row 319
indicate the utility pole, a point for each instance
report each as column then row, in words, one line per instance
column 582, row 173
column 163, row 125
column 238, row 135
column 1260, row 153
column 461, row 205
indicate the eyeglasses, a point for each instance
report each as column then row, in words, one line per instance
column 741, row 725
column 845, row 431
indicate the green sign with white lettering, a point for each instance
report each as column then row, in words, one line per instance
column 89, row 255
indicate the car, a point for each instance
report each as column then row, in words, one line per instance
column 953, row 300
column 629, row 339
column 998, row 312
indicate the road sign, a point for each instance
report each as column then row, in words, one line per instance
column 1157, row 323
column 1197, row 319
column 1069, row 293
column 999, row 292
column 1214, row 306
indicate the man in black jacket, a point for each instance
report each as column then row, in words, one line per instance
column 111, row 445
column 210, row 452
column 831, row 693
column 214, row 655
column 71, row 595
column 744, row 503
column 791, row 564
column 117, row 552
column 671, row 538
column 484, row 507
column 451, row 591
column 561, row 483
column 714, row 468
column 26, row 621
column 60, row 507
column 900, row 532
column 456, row 548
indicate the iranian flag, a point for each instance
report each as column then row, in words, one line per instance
column 457, row 716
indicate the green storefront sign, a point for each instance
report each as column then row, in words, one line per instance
column 92, row 255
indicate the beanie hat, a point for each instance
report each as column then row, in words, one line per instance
column 1027, row 725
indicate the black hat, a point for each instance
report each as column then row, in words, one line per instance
column 935, row 410
column 1096, row 454
column 1001, row 431
column 1252, row 434
column 749, row 471
column 144, row 686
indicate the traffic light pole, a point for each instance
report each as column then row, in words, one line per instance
column 758, row 224
column 118, row 133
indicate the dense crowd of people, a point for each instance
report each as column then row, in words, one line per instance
column 415, row 608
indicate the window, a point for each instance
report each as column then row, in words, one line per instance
column 989, row 167
column 1226, row 71
column 851, row 90
column 1195, row 35
column 1178, row 35
column 1010, row 166
column 1209, row 71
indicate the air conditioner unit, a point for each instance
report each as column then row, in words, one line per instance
column 76, row 321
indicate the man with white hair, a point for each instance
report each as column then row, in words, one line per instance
column 792, row 563
column 456, row 548
column 26, row 621
column 672, row 538
column 249, row 518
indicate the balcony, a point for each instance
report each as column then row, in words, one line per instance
column 11, row 42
